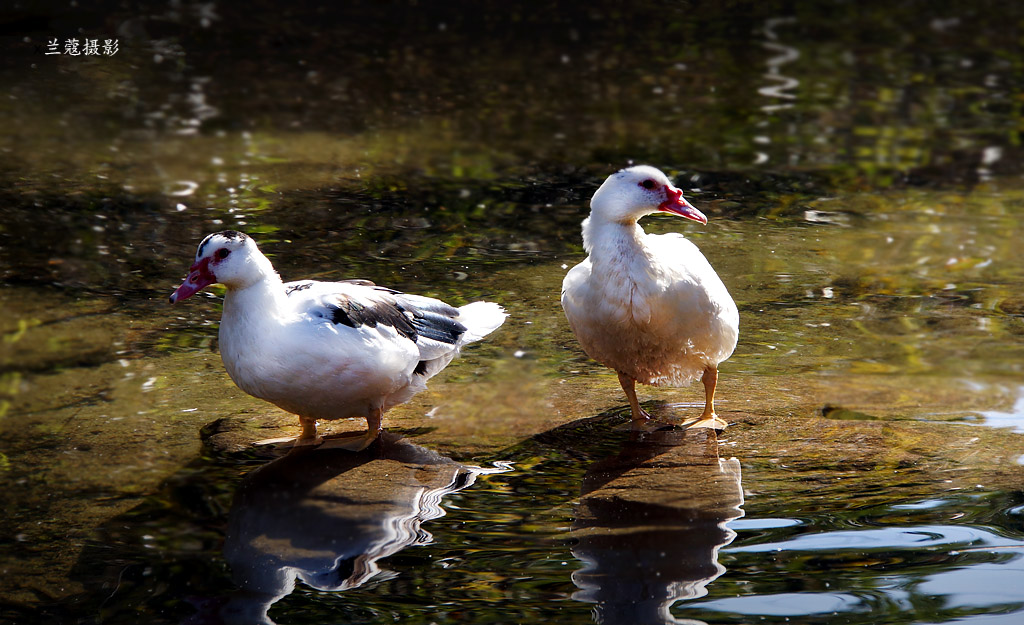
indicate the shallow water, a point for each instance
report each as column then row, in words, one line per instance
column 861, row 171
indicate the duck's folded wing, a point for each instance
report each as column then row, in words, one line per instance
column 429, row 323
column 436, row 324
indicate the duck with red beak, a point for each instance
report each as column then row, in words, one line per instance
column 651, row 307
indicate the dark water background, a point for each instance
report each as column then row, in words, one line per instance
column 861, row 167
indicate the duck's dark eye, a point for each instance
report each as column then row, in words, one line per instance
column 222, row 253
column 648, row 184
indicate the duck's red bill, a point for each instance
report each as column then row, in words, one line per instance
column 199, row 278
column 677, row 205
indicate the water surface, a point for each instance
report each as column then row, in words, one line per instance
column 861, row 170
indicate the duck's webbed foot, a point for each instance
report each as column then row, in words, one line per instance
column 712, row 421
column 289, row 441
column 350, row 442
column 359, row 442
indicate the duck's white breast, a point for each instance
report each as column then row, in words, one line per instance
column 659, row 314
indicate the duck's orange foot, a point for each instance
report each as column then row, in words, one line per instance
column 356, row 442
column 290, row 441
column 712, row 421
column 641, row 416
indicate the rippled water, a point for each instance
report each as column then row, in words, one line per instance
column 585, row 521
column 860, row 168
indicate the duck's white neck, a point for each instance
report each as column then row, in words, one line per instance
column 262, row 298
column 611, row 237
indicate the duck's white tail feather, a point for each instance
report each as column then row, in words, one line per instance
column 480, row 319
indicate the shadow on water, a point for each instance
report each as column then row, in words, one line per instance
column 326, row 517
column 595, row 521
column 223, row 543
column 323, row 517
column 650, row 523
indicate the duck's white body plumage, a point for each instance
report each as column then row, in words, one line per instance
column 649, row 306
column 328, row 350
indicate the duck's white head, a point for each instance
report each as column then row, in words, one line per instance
column 631, row 193
column 230, row 258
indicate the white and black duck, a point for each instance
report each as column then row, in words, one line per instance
column 328, row 350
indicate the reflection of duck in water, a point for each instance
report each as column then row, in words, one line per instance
column 327, row 516
column 650, row 523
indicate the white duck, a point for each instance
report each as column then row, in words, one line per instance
column 649, row 306
column 328, row 350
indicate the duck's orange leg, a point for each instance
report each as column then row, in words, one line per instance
column 708, row 418
column 629, row 386
column 362, row 441
column 308, row 436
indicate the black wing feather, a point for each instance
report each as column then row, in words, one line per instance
column 437, row 325
column 411, row 316
column 353, row 314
